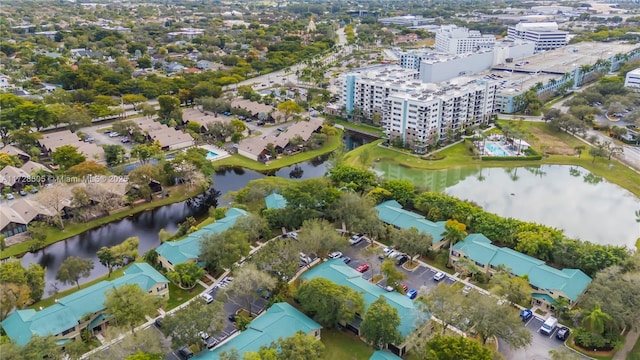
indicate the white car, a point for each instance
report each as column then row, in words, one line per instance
column 208, row 298
column 335, row 255
column 438, row 276
column 387, row 250
column 355, row 239
column 114, row 134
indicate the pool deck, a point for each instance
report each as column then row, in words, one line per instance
column 221, row 153
column 505, row 149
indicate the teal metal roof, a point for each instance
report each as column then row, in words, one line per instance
column 275, row 201
column 572, row 282
column 340, row 273
column 391, row 212
column 281, row 320
column 188, row 248
column 384, row 355
column 69, row 310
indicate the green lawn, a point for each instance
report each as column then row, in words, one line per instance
column 178, row 296
column 362, row 127
column 72, row 229
column 635, row 352
column 333, row 142
column 344, row 345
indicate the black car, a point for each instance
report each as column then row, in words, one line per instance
column 346, row 259
column 211, row 342
column 185, row 353
column 158, row 323
column 563, row 333
column 402, row 259
column 232, row 317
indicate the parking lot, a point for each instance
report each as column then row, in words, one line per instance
column 422, row 277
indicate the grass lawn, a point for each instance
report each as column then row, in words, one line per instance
column 559, row 146
column 72, row 229
column 344, row 346
column 635, row 352
column 178, row 296
column 362, row 127
column 333, row 142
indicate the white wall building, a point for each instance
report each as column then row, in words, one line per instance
column 633, row 79
column 425, row 116
column 545, row 34
column 452, row 39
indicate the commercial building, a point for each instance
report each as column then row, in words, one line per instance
column 172, row 253
column 406, row 20
column 452, row 39
column 337, row 271
column 548, row 284
column 280, row 321
column 545, row 34
column 392, row 213
column 82, row 310
column 424, row 117
column 632, row 80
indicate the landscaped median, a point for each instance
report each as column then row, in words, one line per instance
column 177, row 194
column 235, row 160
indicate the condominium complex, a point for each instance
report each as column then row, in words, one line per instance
column 545, row 34
column 452, row 39
column 435, row 112
column 632, row 79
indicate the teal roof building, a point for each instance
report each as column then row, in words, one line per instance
column 384, row 355
column 340, row 273
column 281, row 320
column 547, row 282
column 391, row 212
column 275, row 201
column 81, row 310
column 188, row 249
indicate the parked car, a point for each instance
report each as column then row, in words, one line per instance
column 563, row 333
column 206, row 297
column 438, row 276
column 10, row 196
column 89, row 139
column 402, row 259
column 185, row 353
column 158, row 322
column 211, row 342
column 386, row 250
column 113, row 134
column 232, row 318
column 125, row 140
column 362, row 268
column 355, row 239
column 346, row 259
column 280, row 129
column 549, row 325
column 412, row 294
column 304, row 258
column 526, row 314
column 260, row 123
column 404, row 287
column 22, row 193
column 293, row 235
column 335, row 255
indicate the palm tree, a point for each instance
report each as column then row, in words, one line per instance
column 454, row 232
column 597, row 320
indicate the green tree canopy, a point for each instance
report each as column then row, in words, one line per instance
column 455, row 348
column 129, row 305
column 67, row 156
column 380, row 324
column 328, row 302
column 73, row 269
column 184, row 326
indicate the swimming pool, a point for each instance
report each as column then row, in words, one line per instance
column 211, row 155
column 494, row 149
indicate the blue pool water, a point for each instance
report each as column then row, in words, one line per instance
column 494, row 149
column 211, row 155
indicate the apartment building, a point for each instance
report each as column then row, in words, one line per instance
column 364, row 90
column 632, row 80
column 545, row 34
column 452, row 39
column 423, row 117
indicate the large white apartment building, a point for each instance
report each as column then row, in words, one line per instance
column 545, row 34
column 452, row 39
column 433, row 112
column 632, row 80
column 365, row 89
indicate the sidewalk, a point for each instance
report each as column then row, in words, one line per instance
column 629, row 342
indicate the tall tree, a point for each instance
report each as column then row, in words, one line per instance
column 354, row 178
column 320, row 237
column 220, row 251
column 184, row 326
column 13, row 296
column 329, row 302
column 119, row 255
column 454, row 348
column 454, row 232
column 67, row 156
column 186, row 275
column 73, row 269
column 514, row 288
column 248, row 285
column 393, row 275
column 299, row 346
column 380, row 324
column 447, row 304
column 147, row 340
column 114, row 154
column 42, row 347
column 358, row 214
column 289, row 108
column 494, row 319
column 597, row 320
column 129, row 305
column 411, row 241
column 402, row 191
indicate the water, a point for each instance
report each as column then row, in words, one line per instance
column 211, row 155
column 585, row 206
column 494, row 149
column 147, row 224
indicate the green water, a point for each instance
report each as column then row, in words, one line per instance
column 585, row 206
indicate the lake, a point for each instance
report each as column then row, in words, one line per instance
column 569, row 198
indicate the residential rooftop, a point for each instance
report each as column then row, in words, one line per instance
column 391, row 212
column 275, row 201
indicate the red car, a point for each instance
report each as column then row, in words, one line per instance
column 362, row 268
column 404, row 287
